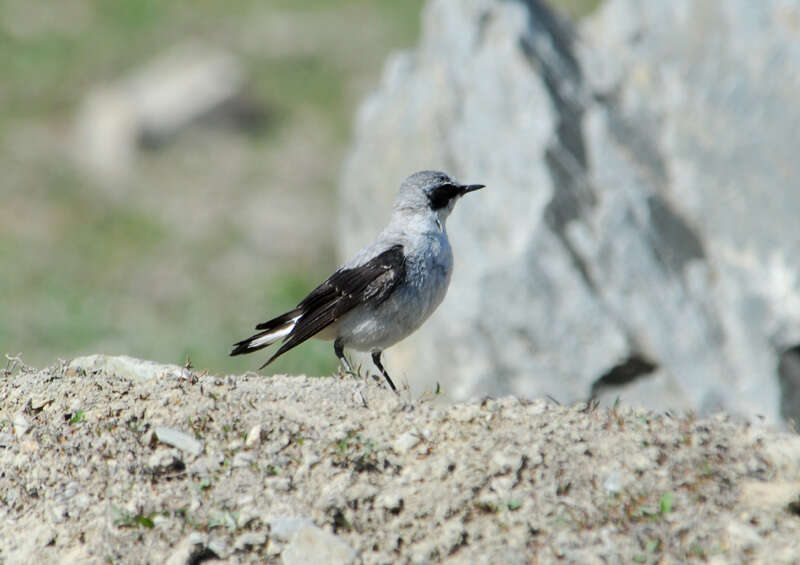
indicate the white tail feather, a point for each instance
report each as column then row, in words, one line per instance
column 274, row 335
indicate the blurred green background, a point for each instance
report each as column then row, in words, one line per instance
column 208, row 231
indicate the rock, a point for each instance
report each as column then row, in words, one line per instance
column 206, row 464
column 127, row 367
column 404, row 443
column 217, row 546
column 28, row 547
column 789, row 380
column 311, row 544
column 770, row 495
column 165, row 461
column 740, row 198
column 70, row 490
column 284, row 527
column 178, row 439
column 743, row 537
column 191, row 549
column 58, row 513
column 21, row 424
column 784, row 452
column 243, row 459
column 249, row 540
column 613, row 482
column 631, row 230
column 450, row 537
column 504, row 462
column 280, row 484
column 390, row 501
column 152, row 104
column 253, row 437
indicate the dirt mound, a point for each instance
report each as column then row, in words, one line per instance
column 119, row 460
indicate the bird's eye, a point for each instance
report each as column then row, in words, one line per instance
column 440, row 196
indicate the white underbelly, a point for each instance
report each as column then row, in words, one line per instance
column 374, row 329
column 428, row 265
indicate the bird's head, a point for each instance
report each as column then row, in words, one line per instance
column 431, row 191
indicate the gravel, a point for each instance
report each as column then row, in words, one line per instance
column 183, row 467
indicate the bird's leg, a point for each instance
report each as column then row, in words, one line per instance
column 376, row 358
column 338, row 348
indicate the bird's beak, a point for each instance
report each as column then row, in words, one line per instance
column 470, row 187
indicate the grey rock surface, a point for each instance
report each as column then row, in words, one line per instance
column 283, row 528
column 179, row 439
column 636, row 238
column 500, row 481
column 314, row 545
column 192, row 549
column 125, row 366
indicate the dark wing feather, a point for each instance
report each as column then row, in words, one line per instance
column 373, row 282
column 278, row 321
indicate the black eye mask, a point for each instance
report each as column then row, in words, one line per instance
column 440, row 196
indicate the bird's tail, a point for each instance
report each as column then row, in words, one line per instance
column 272, row 331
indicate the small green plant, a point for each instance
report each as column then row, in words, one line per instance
column 188, row 519
column 201, row 485
column 707, row 470
column 697, row 551
column 123, row 519
column 343, row 444
column 653, row 546
column 665, row 504
column 358, row 451
column 513, row 504
column 340, row 522
column 76, row 417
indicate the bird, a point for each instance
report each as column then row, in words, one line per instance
column 385, row 291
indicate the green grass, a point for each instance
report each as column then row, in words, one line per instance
column 299, row 83
column 85, row 270
column 77, row 417
column 106, row 274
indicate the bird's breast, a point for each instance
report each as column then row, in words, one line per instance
column 428, row 270
column 428, row 265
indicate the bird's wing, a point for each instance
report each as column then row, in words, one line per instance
column 279, row 321
column 370, row 283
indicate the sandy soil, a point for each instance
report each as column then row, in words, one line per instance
column 117, row 460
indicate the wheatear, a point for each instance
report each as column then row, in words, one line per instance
column 387, row 290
